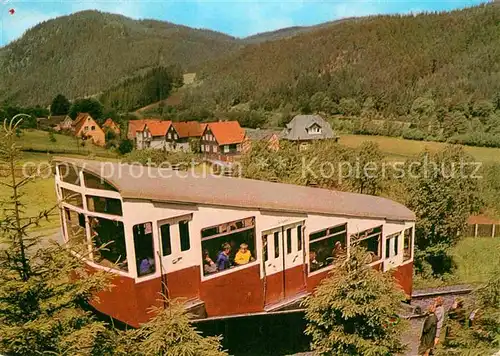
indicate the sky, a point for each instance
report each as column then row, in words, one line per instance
column 238, row 18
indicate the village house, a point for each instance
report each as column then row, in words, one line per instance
column 152, row 135
column 136, row 125
column 86, row 128
column 180, row 133
column 272, row 137
column 303, row 129
column 222, row 140
column 56, row 123
column 166, row 135
column 112, row 126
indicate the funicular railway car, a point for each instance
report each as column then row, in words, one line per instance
column 228, row 246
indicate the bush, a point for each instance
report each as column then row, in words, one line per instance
column 125, row 146
column 476, row 139
column 414, row 134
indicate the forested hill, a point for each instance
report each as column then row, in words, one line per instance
column 453, row 57
column 87, row 52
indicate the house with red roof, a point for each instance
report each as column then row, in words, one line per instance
column 180, row 133
column 110, row 125
column 87, row 128
column 136, row 125
column 222, row 140
column 152, row 135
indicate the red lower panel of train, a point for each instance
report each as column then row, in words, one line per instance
column 229, row 294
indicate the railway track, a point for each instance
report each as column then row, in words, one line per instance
column 421, row 299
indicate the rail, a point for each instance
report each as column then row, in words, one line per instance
column 422, row 296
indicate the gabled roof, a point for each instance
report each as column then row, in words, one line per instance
column 227, row 132
column 80, row 121
column 262, row 134
column 189, row 128
column 296, row 130
column 109, row 123
column 137, row 125
column 53, row 120
column 158, row 128
column 136, row 182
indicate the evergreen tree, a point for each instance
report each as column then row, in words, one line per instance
column 60, row 105
column 170, row 333
column 43, row 287
column 354, row 310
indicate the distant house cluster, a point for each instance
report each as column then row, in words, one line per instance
column 302, row 130
column 224, row 140
column 84, row 127
column 218, row 140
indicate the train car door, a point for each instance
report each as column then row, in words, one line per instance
column 283, row 262
column 272, row 243
column 180, row 262
column 294, row 260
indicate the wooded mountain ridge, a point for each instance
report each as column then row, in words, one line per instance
column 453, row 57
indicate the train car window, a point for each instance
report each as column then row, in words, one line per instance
column 407, row 243
column 72, row 197
column 166, row 243
column 264, row 242
column 108, row 240
column 371, row 240
column 75, row 231
column 184, row 235
column 144, row 249
column 391, row 245
column 104, row 205
column 276, row 244
column 94, row 182
column 326, row 246
column 69, row 174
column 288, row 241
column 299, row 238
column 228, row 245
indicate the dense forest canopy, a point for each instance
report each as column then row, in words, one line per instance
column 452, row 57
column 433, row 69
column 86, row 53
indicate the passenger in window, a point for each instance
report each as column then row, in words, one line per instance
column 338, row 250
column 222, row 261
column 146, row 266
column 208, row 265
column 243, row 256
column 313, row 264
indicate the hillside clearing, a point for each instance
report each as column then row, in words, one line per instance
column 399, row 149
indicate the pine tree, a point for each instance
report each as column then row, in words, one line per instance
column 169, row 333
column 354, row 310
column 43, row 287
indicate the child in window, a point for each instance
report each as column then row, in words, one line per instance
column 222, row 261
column 243, row 256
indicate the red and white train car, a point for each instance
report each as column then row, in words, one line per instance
column 169, row 227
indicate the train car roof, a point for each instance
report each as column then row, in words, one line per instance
column 166, row 185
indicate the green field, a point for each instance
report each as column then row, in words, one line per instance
column 39, row 141
column 475, row 259
column 398, row 149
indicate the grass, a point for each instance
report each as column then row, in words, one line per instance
column 36, row 140
column 475, row 259
column 400, row 149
